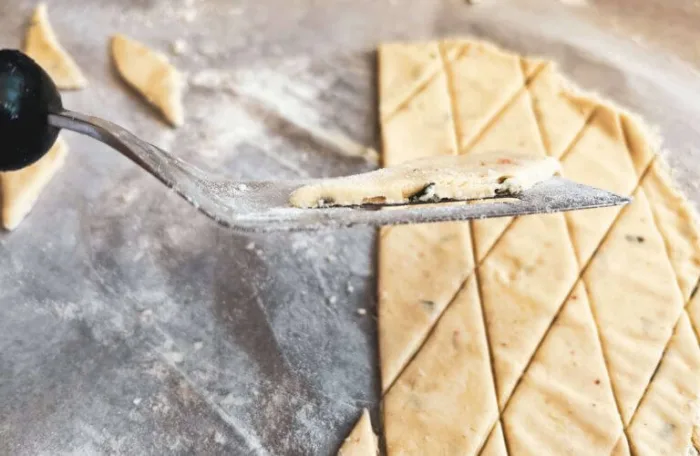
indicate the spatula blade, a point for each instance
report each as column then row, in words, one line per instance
column 269, row 209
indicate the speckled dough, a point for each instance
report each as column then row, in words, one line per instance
column 432, row 180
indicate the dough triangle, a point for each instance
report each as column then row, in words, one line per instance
column 404, row 136
column 41, row 44
column 664, row 422
column 152, row 75
column 444, row 402
column 565, row 404
column 403, row 70
column 361, row 441
column 628, row 278
column 19, row 190
column 523, row 282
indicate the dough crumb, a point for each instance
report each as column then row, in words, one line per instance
column 362, row 311
column 250, row 246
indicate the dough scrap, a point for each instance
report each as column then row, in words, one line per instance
column 20, row 189
column 361, row 441
column 152, row 75
column 41, row 44
column 431, row 180
column 641, row 268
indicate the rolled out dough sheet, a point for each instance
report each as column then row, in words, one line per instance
column 552, row 334
column 461, row 177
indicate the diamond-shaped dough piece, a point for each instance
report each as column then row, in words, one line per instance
column 565, row 404
column 664, row 422
column 20, row 189
column 403, row 69
column 636, row 300
column 41, row 44
column 599, row 158
column 152, row 75
column 444, row 402
column 421, row 268
column 483, row 80
column 361, row 441
column 523, row 282
column 560, row 113
column 423, row 127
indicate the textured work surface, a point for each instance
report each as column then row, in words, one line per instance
column 568, row 330
column 129, row 324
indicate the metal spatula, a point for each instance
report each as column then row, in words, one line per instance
column 32, row 114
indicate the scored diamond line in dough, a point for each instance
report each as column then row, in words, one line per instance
column 638, row 167
column 683, row 315
column 582, row 271
column 422, row 82
column 587, row 321
column 386, row 127
column 474, row 274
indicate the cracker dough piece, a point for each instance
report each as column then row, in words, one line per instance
column 523, row 282
column 482, row 81
column 561, row 114
column 675, row 219
column 361, row 441
column 564, row 404
column 432, row 180
column 152, row 75
column 444, row 402
column 41, row 44
column 663, row 424
column 422, row 128
column 599, row 158
column 421, row 269
column 636, row 300
column 20, row 189
column 405, row 68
